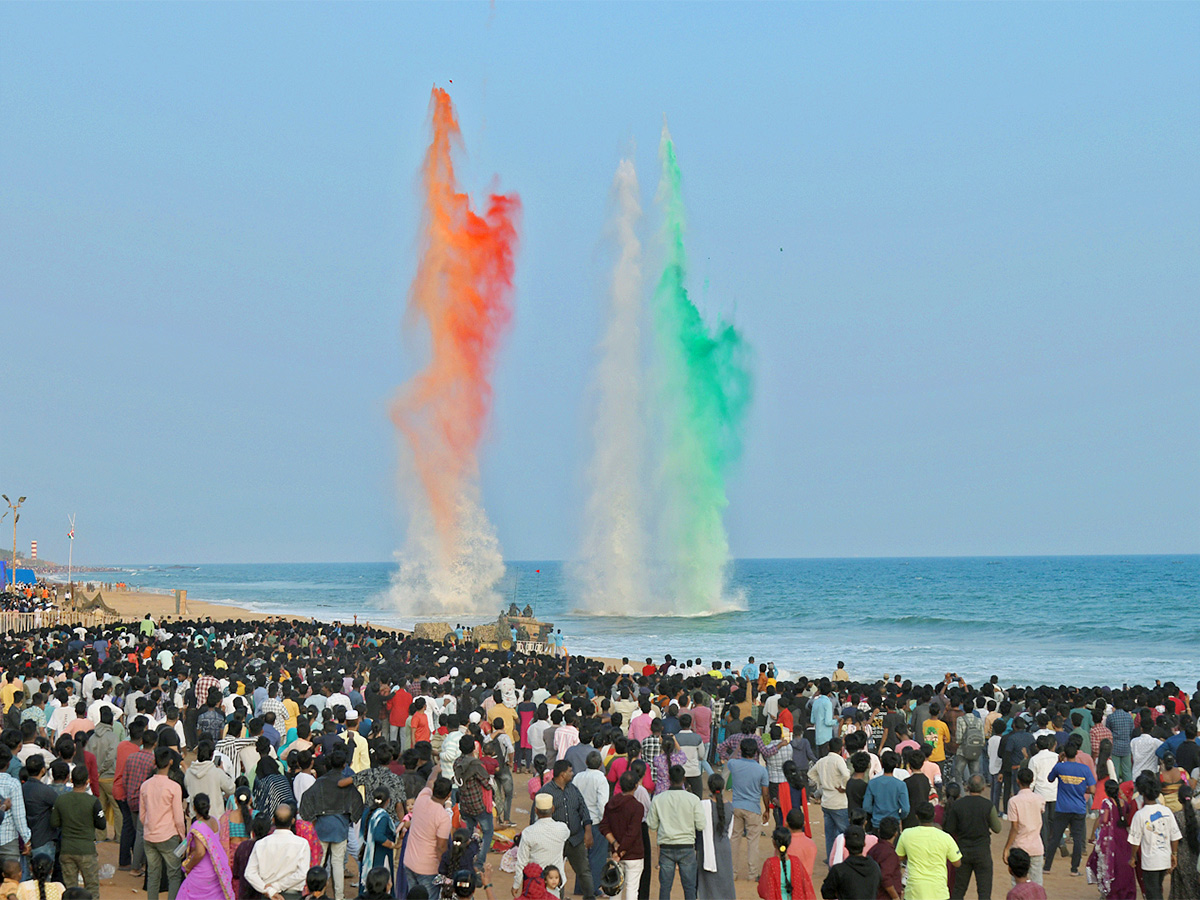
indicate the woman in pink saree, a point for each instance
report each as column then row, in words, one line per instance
column 1108, row 866
column 206, row 867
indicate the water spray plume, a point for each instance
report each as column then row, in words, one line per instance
column 612, row 570
column 462, row 291
column 703, row 392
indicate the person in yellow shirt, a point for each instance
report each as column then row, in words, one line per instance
column 507, row 713
column 293, row 712
column 10, row 688
column 936, row 734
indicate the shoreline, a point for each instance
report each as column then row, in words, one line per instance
column 132, row 605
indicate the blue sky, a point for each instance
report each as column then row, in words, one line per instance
column 964, row 241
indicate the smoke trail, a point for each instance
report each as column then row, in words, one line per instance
column 461, row 290
column 613, row 572
column 703, row 394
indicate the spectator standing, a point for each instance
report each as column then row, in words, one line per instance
column 570, row 809
column 160, row 807
column 676, row 815
column 971, row 821
column 279, row 862
column 78, row 816
column 831, row 776
column 751, row 810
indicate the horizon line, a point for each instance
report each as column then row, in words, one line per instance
column 734, row 559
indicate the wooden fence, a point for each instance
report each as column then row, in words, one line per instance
column 11, row 621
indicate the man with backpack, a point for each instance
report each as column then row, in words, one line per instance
column 971, row 740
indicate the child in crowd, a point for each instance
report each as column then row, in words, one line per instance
column 314, row 882
column 1018, row 867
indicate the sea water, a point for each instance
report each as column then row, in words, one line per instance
column 1030, row 620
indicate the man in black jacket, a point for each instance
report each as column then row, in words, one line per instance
column 858, row 876
column 971, row 822
column 333, row 810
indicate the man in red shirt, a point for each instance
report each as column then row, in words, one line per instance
column 139, row 768
column 397, row 707
column 649, row 668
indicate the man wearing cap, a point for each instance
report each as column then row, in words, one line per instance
column 356, row 744
column 543, row 841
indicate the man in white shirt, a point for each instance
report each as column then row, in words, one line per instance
column 543, row 841
column 450, row 748
column 1142, row 748
column 626, row 668
column 279, row 862
column 1155, row 833
column 99, row 704
column 508, row 689
column 536, row 733
column 592, row 784
column 337, row 698
column 1040, row 765
column 830, row 774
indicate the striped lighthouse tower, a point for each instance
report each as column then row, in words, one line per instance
column 33, row 550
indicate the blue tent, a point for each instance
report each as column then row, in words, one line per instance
column 24, row 576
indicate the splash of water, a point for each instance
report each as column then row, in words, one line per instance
column 462, row 291
column 703, row 393
column 612, row 569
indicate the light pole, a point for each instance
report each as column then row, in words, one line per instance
column 13, row 507
column 70, row 552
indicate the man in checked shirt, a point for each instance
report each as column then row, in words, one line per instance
column 734, row 742
column 13, row 801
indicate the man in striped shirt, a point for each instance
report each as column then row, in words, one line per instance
column 13, row 825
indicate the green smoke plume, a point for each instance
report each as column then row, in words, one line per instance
column 704, row 388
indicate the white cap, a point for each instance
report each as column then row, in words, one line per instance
column 454, row 671
column 474, row 717
column 351, row 715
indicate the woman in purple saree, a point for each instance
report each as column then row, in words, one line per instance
column 208, row 876
column 1108, row 867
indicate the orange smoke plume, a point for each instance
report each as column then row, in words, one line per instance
column 462, row 289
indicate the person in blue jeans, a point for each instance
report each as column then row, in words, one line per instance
column 1075, row 783
column 831, row 775
column 751, row 809
column 676, row 815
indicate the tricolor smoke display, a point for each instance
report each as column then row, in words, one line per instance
column 462, row 293
column 668, row 428
column 613, row 573
column 703, row 392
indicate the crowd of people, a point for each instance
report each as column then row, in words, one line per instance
column 290, row 759
column 29, row 598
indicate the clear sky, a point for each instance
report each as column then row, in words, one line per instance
column 963, row 239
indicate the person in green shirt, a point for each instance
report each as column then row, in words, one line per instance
column 147, row 626
column 927, row 849
column 676, row 814
column 78, row 814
